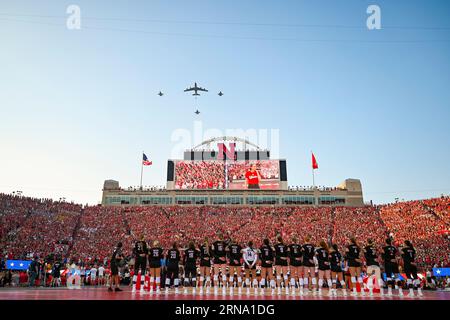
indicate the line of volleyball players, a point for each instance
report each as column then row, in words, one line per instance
column 291, row 268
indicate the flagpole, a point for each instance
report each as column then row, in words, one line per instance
column 142, row 168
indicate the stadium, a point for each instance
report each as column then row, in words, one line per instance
column 209, row 158
column 205, row 198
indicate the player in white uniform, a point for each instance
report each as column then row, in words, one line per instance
column 101, row 275
column 250, row 256
column 93, row 275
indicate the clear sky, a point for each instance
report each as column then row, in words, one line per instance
column 79, row 106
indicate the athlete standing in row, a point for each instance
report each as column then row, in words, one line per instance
column 309, row 268
column 234, row 251
column 295, row 265
column 410, row 268
column 281, row 264
column 354, row 265
column 154, row 261
column 173, row 271
column 190, row 267
column 116, row 258
column 140, row 252
column 267, row 257
column 250, row 256
column 391, row 267
column 337, row 273
column 322, row 255
column 218, row 250
column 205, row 266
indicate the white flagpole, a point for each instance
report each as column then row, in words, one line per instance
column 142, row 167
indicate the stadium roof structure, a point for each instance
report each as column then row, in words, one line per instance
column 226, row 138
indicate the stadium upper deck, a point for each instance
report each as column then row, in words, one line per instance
column 227, row 176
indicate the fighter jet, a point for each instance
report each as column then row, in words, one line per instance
column 220, row 93
column 195, row 88
column 197, row 112
column 160, row 94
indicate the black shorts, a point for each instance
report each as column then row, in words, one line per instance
column 324, row 268
column 266, row 265
column 172, row 272
column 253, row 186
column 190, row 271
column 335, row 268
column 155, row 264
column 56, row 275
column 353, row 263
column 281, row 263
column 140, row 263
column 295, row 263
column 235, row 264
column 308, row 264
column 114, row 269
column 205, row 263
column 217, row 261
column 390, row 268
column 410, row 269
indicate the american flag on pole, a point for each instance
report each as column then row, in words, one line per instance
column 145, row 161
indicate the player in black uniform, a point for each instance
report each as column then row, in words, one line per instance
column 354, row 265
column 336, row 269
column 309, row 268
column 140, row 252
column 155, row 254
column 323, row 261
column 267, row 257
column 234, row 252
column 173, row 267
column 56, row 273
column 391, row 267
column 281, row 264
column 373, row 267
column 190, row 267
column 205, row 266
column 116, row 258
column 220, row 260
column 295, row 265
column 410, row 268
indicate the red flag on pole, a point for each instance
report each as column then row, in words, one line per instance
column 314, row 162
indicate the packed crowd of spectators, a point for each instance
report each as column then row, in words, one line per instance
column 30, row 226
column 36, row 227
column 199, row 175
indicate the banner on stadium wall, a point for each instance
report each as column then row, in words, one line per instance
column 441, row 272
column 17, row 264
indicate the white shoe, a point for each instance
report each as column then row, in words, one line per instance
column 132, row 290
column 158, row 291
column 239, row 290
column 262, row 292
column 215, row 291
column 256, row 291
column 224, row 291
column 247, row 291
column 411, row 295
column 330, row 292
column 287, row 291
column 193, row 291
column 201, row 291
column 419, row 293
column 363, row 293
column 142, row 291
column 279, row 291
column 166, row 290
column 207, row 290
column 231, row 291
column 293, row 293
column 185, row 291
column 273, row 292
column 344, row 292
column 177, row 291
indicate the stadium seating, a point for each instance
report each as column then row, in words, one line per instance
column 31, row 226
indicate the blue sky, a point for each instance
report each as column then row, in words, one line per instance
column 78, row 106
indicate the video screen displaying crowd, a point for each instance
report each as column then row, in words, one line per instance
column 41, row 228
column 199, row 175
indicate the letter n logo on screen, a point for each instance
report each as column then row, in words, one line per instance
column 224, row 153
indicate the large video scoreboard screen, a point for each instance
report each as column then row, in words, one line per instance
column 236, row 175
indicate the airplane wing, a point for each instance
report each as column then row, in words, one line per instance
column 189, row 89
column 202, row 89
